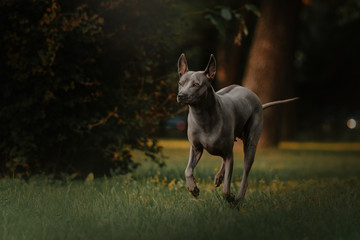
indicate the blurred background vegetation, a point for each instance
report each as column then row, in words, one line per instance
column 84, row 83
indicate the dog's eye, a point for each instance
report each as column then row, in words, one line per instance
column 180, row 84
column 195, row 85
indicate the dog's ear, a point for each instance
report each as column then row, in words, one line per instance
column 182, row 65
column 210, row 70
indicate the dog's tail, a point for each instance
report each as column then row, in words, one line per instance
column 270, row 104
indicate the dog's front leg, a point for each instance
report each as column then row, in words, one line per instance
column 194, row 157
column 219, row 177
column 228, row 165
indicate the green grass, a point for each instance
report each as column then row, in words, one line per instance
column 292, row 194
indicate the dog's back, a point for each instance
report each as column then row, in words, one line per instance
column 239, row 94
column 242, row 102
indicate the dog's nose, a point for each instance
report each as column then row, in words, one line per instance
column 180, row 97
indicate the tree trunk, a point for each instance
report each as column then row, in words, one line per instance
column 228, row 62
column 228, row 57
column 269, row 69
column 232, row 54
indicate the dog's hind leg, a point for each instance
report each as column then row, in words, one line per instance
column 228, row 166
column 252, row 132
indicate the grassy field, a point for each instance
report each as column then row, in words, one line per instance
column 292, row 194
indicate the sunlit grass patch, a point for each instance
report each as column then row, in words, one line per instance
column 175, row 144
column 327, row 146
column 322, row 146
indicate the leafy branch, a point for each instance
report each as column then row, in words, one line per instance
column 222, row 16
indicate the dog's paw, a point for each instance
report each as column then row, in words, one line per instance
column 229, row 197
column 218, row 180
column 195, row 191
column 236, row 204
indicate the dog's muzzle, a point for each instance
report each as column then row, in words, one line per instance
column 181, row 98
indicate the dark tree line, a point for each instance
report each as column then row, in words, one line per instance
column 82, row 84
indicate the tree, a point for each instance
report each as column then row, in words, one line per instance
column 269, row 69
column 233, row 23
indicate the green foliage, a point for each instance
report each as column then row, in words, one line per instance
column 223, row 16
column 82, row 85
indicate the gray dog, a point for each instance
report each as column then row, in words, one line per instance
column 215, row 120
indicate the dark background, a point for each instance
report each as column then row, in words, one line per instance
column 85, row 83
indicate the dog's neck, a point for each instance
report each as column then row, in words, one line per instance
column 203, row 110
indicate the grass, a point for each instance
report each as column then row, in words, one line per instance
column 292, row 194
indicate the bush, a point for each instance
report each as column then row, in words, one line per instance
column 81, row 85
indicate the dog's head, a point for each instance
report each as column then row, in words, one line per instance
column 193, row 86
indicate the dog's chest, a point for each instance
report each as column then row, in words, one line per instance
column 213, row 148
column 214, row 144
column 212, row 132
